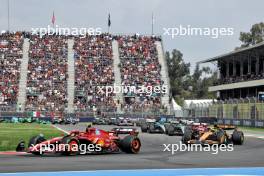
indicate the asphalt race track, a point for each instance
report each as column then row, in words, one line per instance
column 251, row 154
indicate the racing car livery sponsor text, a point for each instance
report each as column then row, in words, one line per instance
column 213, row 149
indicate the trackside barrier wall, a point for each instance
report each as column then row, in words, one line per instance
column 209, row 120
column 231, row 109
column 236, row 122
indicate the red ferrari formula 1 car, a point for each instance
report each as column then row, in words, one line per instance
column 93, row 140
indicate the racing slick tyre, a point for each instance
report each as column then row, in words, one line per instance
column 221, row 137
column 238, row 137
column 130, row 144
column 187, row 128
column 34, row 141
column 187, row 136
column 71, row 146
column 144, row 127
column 170, row 130
column 166, row 126
column 151, row 128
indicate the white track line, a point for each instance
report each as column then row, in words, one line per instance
column 254, row 136
column 60, row 129
column 261, row 137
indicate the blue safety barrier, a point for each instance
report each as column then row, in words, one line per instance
column 151, row 172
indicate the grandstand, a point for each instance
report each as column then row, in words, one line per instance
column 140, row 66
column 62, row 73
column 240, row 84
column 11, row 47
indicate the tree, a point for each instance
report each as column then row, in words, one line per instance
column 201, row 83
column 179, row 73
column 256, row 35
column 183, row 84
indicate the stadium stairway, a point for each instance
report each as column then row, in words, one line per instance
column 117, row 74
column 21, row 100
column 71, row 78
column 165, row 99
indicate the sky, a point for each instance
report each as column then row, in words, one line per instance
column 135, row 16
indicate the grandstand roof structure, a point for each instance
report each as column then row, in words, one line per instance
column 235, row 52
column 240, row 72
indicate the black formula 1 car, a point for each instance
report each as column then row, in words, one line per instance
column 152, row 127
column 125, row 130
column 57, row 120
column 175, row 127
column 100, row 121
column 169, row 127
column 125, row 122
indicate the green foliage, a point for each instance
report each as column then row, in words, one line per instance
column 256, row 35
column 201, row 80
column 183, row 84
column 179, row 72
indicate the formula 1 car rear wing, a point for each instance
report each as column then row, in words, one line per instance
column 122, row 130
column 226, row 127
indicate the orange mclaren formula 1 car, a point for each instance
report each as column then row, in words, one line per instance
column 215, row 135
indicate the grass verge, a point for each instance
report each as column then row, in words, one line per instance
column 12, row 133
column 252, row 129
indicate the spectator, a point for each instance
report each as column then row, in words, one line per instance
column 140, row 67
column 11, row 51
column 93, row 68
column 47, row 74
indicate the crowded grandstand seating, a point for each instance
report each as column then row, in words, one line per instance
column 232, row 79
column 139, row 67
column 47, row 74
column 46, row 86
column 11, row 52
column 93, row 68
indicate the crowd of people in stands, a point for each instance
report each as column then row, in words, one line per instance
column 235, row 79
column 11, row 51
column 47, row 73
column 93, row 68
column 140, row 67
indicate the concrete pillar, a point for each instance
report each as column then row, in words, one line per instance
column 219, row 74
column 257, row 64
column 119, row 97
column 249, row 65
column 234, row 66
column 22, row 92
column 227, row 69
column 71, row 77
column 241, row 68
column 262, row 68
